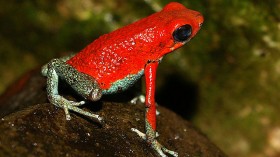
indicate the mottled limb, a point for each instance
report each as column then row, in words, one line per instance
column 85, row 85
column 150, row 119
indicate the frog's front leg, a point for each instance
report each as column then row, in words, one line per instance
column 85, row 85
column 150, row 119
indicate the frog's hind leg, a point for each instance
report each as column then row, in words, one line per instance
column 150, row 115
column 82, row 83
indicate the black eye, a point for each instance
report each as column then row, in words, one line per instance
column 182, row 33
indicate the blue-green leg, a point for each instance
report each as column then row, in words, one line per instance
column 85, row 85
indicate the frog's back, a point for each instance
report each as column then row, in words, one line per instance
column 116, row 55
column 125, row 51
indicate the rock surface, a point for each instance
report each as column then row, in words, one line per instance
column 31, row 126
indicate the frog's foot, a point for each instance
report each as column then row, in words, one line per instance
column 67, row 105
column 140, row 98
column 141, row 134
column 161, row 150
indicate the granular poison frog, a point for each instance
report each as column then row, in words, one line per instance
column 115, row 61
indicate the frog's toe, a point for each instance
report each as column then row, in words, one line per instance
column 67, row 114
column 74, row 108
column 175, row 154
column 73, row 103
column 161, row 150
column 67, row 105
column 141, row 134
column 139, row 98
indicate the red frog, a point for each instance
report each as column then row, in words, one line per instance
column 115, row 61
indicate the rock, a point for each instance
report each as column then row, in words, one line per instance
column 34, row 127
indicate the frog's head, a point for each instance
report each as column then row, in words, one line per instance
column 182, row 25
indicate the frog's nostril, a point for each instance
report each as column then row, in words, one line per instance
column 199, row 19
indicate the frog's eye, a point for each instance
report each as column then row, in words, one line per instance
column 182, row 33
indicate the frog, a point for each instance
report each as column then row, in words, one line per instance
column 116, row 61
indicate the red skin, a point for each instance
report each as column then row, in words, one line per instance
column 127, row 50
column 150, row 74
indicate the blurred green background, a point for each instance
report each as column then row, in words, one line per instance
column 225, row 81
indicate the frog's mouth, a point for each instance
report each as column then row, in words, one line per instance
column 177, row 45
